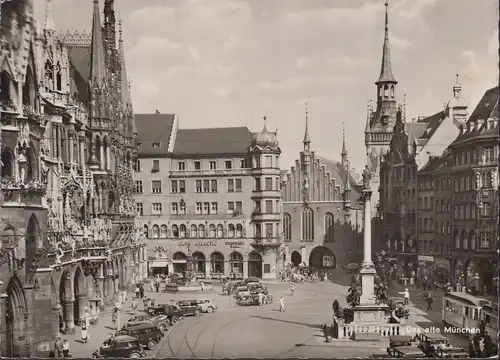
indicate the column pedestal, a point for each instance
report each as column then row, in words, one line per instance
column 69, row 320
column 207, row 270
column 108, row 284
column 245, row 269
column 81, row 301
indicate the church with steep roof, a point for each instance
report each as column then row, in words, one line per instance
column 322, row 218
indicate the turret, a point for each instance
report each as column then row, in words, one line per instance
column 386, row 83
column 48, row 25
column 457, row 107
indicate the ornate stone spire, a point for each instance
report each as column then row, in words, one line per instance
column 343, row 154
column 126, row 98
column 457, row 89
column 48, row 24
column 97, row 65
column 386, row 68
column 307, row 139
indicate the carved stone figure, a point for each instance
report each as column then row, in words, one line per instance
column 367, row 175
column 23, row 162
column 59, row 253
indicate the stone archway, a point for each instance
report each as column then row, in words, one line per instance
column 322, row 257
column 80, row 292
column 296, row 258
column 16, row 314
column 254, row 265
column 31, row 244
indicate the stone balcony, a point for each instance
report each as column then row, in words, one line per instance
column 260, row 242
column 209, row 172
column 14, row 193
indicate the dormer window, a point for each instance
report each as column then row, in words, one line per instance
column 156, row 145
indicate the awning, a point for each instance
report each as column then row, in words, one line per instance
column 158, row 263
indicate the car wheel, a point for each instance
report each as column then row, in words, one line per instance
column 210, row 310
column 152, row 344
column 197, row 312
column 174, row 320
column 162, row 327
column 135, row 355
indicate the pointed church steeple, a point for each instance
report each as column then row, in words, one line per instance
column 97, row 66
column 307, row 139
column 48, row 25
column 126, row 98
column 343, row 154
column 386, row 75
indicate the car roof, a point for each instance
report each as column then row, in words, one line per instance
column 125, row 338
column 140, row 326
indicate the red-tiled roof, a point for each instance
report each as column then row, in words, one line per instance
column 212, row 141
column 154, row 128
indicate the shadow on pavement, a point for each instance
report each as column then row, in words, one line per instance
column 312, row 326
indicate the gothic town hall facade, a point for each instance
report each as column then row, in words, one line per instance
column 70, row 238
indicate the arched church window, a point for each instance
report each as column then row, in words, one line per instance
column 329, row 227
column 386, row 91
column 7, row 159
column 58, row 77
column 392, row 91
column 5, row 83
column 49, row 75
column 28, row 91
column 307, row 224
column 287, row 227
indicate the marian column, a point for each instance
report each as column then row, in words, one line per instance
column 367, row 271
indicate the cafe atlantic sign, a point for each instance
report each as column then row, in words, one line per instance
column 233, row 244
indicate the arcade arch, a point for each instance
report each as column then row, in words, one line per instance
column 16, row 315
column 322, row 257
column 254, row 265
column 296, row 258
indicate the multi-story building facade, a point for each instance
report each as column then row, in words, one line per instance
column 474, row 181
column 213, row 205
column 66, row 173
column 322, row 219
column 402, row 205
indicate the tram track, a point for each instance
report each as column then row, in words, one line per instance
column 222, row 327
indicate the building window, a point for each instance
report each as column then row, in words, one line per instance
column 230, row 231
column 156, row 186
column 228, row 164
column 197, row 165
column 213, row 165
column 156, row 232
column 182, row 231
column 198, row 186
column 442, row 205
column 156, row 145
column 269, row 206
column 256, row 162
column 268, row 161
column 137, row 165
column 329, row 227
column 258, row 231
column 201, row 231
column 157, row 209
column 217, row 263
column 138, row 187
column 182, row 208
column 194, row 232
column 237, row 185
column 156, row 166
column 257, row 209
column 146, row 232
column 182, row 186
column 175, row 231
column 174, row 186
column 215, row 208
column 448, row 205
column 230, row 185
column 287, row 227
column 257, row 184
column 213, row 185
column 139, row 207
column 163, row 232
column 239, row 231
column 181, row 166
column 420, row 224
column 437, row 206
column 238, row 208
column 206, row 185
column 199, row 208
column 212, row 232
column 442, row 227
column 269, row 231
column 307, row 224
column 174, row 208
column 220, row 231
column 236, row 263
column 448, row 228
column 268, row 184
column 206, row 208
column 243, row 164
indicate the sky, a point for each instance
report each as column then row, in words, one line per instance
column 230, row 62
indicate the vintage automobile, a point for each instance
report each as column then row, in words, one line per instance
column 430, row 342
column 172, row 311
column 400, row 340
column 451, row 352
column 411, row 352
column 206, row 306
column 147, row 334
column 395, row 301
column 121, row 346
column 252, row 280
column 161, row 321
column 189, row 307
column 402, row 312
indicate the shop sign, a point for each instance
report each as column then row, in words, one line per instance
column 425, row 258
column 235, row 244
column 212, row 243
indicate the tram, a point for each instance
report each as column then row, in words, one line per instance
column 462, row 310
column 489, row 313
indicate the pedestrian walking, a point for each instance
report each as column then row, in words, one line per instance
column 141, row 292
column 429, row 300
column 84, row 334
column 157, row 286
column 406, row 295
column 152, row 286
column 292, row 290
column 282, row 304
column 472, row 351
column 488, row 345
column 58, row 348
column 202, row 286
column 261, row 299
column 66, row 349
column 137, row 291
column 86, row 316
column 114, row 318
column 134, row 305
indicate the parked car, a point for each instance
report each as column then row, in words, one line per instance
column 189, row 307
column 147, row 334
column 172, row 311
column 430, row 342
column 121, row 346
column 206, row 306
column 252, row 280
column 399, row 340
column 161, row 321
